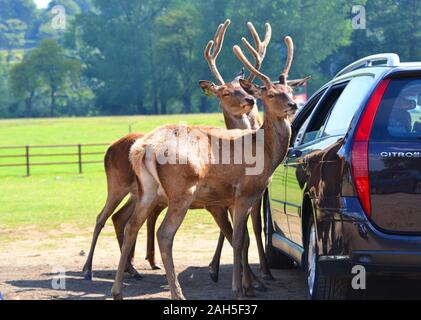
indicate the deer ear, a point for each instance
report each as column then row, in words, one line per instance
column 251, row 88
column 298, row 82
column 208, row 87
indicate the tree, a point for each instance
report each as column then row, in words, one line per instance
column 5, row 98
column 112, row 41
column 25, row 81
column 12, row 35
column 23, row 10
column 179, row 30
column 318, row 28
column 17, row 9
column 54, row 69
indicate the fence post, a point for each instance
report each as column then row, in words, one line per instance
column 28, row 172
column 79, row 151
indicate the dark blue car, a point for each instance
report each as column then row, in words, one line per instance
column 349, row 191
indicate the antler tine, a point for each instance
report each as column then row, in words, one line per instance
column 240, row 55
column 220, row 35
column 268, row 34
column 216, row 44
column 290, row 46
column 260, row 51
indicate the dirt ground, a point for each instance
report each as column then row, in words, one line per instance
column 28, row 268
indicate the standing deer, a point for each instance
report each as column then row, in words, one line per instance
column 195, row 182
column 237, row 118
column 238, row 113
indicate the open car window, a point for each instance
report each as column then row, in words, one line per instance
column 346, row 106
column 316, row 123
column 300, row 124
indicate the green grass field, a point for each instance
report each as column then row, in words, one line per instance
column 57, row 195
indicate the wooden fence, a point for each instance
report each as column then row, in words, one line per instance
column 76, row 155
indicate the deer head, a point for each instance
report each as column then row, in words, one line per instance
column 276, row 96
column 233, row 99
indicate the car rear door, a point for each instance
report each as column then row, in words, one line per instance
column 395, row 158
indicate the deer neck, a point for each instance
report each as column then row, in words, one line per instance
column 246, row 121
column 277, row 135
column 254, row 117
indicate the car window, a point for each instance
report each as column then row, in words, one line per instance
column 300, row 123
column 399, row 113
column 345, row 107
column 317, row 120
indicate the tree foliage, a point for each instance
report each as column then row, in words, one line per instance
column 146, row 56
column 45, row 67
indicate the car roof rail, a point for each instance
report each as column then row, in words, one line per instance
column 392, row 59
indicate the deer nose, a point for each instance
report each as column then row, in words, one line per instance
column 292, row 105
column 249, row 100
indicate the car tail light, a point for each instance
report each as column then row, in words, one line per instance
column 360, row 168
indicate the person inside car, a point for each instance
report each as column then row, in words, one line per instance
column 400, row 121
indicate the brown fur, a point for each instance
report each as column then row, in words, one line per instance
column 240, row 112
column 206, row 184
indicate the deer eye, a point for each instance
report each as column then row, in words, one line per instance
column 271, row 96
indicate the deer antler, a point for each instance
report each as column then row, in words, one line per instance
column 240, row 55
column 290, row 46
column 260, row 51
column 217, row 41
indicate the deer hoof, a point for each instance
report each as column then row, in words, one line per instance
column 214, row 276
column 268, row 277
column 133, row 272
column 87, row 275
column 137, row 276
column 118, row 296
column 178, row 296
column 156, row 267
column 249, row 292
column 259, row 286
column 238, row 294
column 214, row 272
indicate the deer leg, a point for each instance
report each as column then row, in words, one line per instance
column 166, row 232
column 256, row 219
column 111, row 204
column 120, row 219
column 241, row 210
column 247, row 282
column 220, row 215
column 216, row 260
column 221, row 218
column 257, row 284
column 131, row 229
column 150, row 247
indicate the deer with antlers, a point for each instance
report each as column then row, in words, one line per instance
column 237, row 116
column 191, row 180
column 240, row 111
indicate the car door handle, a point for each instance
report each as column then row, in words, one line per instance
column 294, row 153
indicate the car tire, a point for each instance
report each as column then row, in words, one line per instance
column 275, row 258
column 319, row 286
